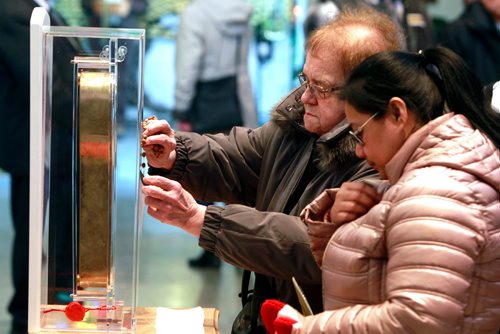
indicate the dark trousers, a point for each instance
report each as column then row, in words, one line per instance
column 18, row 306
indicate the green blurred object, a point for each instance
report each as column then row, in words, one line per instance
column 274, row 16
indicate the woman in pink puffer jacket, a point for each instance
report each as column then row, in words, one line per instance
column 425, row 258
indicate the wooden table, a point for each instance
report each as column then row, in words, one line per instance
column 146, row 318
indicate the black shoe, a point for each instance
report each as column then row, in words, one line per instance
column 19, row 328
column 205, row 260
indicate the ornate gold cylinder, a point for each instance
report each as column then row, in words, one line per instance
column 95, row 177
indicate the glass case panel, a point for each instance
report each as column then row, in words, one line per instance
column 83, row 237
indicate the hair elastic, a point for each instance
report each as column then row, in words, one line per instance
column 428, row 66
column 421, row 57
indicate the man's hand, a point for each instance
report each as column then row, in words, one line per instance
column 158, row 142
column 353, row 200
column 168, row 202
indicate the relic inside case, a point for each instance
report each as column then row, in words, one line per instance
column 83, row 236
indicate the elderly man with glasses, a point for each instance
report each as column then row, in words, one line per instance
column 269, row 174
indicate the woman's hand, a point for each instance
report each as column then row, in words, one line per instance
column 353, row 200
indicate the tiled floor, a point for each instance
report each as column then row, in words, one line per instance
column 6, row 236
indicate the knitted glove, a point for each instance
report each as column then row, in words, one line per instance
column 280, row 318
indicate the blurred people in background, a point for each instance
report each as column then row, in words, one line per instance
column 475, row 36
column 15, row 133
column 410, row 14
column 213, row 92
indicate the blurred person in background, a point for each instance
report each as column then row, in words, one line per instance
column 212, row 84
column 128, row 14
column 411, row 15
column 318, row 15
column 213, row 92
column 475, row 36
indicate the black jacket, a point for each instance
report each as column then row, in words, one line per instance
column 15, row 88
column 475, row 37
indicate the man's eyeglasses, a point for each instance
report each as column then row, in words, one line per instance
column 359, row 131
column 318, row 91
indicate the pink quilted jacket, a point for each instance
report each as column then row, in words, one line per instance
column 426, row 259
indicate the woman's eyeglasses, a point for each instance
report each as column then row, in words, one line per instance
column 318, row 91
column 359, row 131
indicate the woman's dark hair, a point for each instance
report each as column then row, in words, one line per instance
column 430, row 83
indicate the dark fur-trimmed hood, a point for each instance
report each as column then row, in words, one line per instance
column 334, row 148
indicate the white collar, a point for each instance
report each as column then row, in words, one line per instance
column 495, row 99
column 43, row 3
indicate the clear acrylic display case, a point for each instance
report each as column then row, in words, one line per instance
column 83, row 235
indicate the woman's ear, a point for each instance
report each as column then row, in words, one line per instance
column 397, row 109
column 401, row 115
